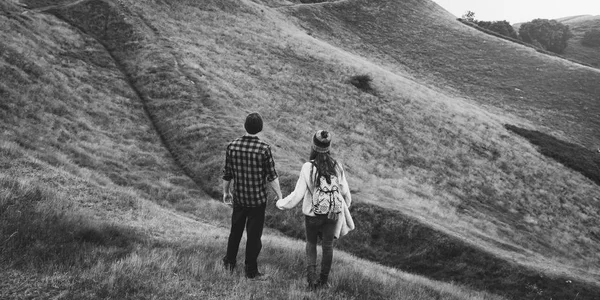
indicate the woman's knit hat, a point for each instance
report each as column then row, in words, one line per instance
column 254, row 123
column 321, row 141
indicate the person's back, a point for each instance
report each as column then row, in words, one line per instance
column 323, row 223
column 249, row 166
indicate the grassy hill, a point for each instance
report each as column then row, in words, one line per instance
column 117, row 113
column 575, row 51
column 579, row 26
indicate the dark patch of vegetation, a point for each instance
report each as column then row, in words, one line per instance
column 550, row 34
column 363, row 83
column 535, row 45
column 591, row 38
column 501, row 27
column 396, row 240
column 578, row 158
column 34, row 238
column 490, row 32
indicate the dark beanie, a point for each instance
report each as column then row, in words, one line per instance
column 321, row 141
column 254, row 123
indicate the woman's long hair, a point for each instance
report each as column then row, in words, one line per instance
column 325, row 164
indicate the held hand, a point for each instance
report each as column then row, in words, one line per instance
column 228, row 199
column 277, row 204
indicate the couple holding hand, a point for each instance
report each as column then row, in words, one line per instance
column 249, row 168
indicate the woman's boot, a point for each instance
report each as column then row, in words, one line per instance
column 322, row 282
column 311, row 274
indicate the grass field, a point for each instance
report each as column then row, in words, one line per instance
column 120, row 112
column 579, row 25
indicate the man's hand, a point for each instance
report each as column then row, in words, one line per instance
column 228, row 199
column 227, row 196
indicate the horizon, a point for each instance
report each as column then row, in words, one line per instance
column 526, row 10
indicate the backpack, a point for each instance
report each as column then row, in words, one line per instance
column 327, row 199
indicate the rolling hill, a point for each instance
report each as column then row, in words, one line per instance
column 575, row 51
column 579, row 25
column 115, row 115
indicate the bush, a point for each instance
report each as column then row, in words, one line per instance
column 363, row 83
column 591, row 38
column 501, row 27
column 551, row 34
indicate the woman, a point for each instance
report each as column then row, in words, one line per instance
column 321, row 169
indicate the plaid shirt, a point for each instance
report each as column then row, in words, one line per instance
column 249, row 162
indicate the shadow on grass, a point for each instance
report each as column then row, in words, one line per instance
column 396, row 240
column 33, row 237
column 578, row 158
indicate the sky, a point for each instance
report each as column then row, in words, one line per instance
column 518, row 11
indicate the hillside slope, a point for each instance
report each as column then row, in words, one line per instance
column 421, row 36
column 421, row 39
column 197, row 67
column 87, row 188
column 579, row 25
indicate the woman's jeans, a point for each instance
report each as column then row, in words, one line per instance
column 314, row 226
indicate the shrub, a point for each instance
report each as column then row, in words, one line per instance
column 363, row 83
column 501, row 27
column 591, row 38
column 469, row 16
column 551, row 34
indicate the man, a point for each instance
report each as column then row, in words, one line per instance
column 249, row 166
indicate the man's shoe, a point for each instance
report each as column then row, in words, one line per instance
column 228, row 265
column 321, row 284
column 258, row 276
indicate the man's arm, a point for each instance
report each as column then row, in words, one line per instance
column 272, row 176
column 227, row 178
column 275, row 186
column 227, row 191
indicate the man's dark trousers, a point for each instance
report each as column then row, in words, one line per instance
column 253, row 219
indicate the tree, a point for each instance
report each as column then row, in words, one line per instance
column 591, row 38
column 551, row 34
column 501, row 27
column 469, row 16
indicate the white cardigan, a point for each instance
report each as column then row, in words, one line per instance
column 305, row 187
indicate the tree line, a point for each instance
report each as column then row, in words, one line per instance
column 549, row 35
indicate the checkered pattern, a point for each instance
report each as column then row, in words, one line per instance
column 249, row 163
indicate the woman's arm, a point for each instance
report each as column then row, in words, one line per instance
column 297, row 195
column 345, row 188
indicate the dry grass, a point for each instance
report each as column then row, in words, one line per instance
column 192, row 72
column 53, row 247
column 579, row 26
column 83, row 172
